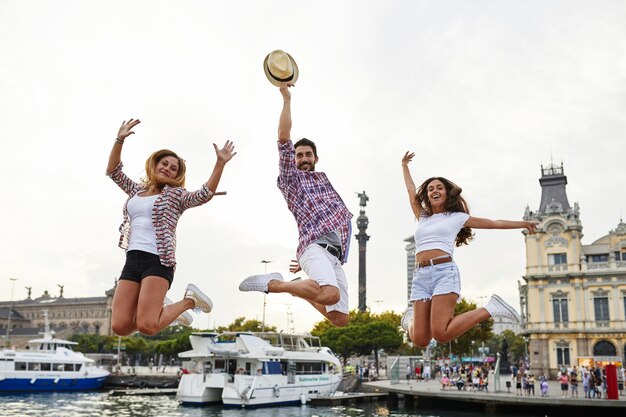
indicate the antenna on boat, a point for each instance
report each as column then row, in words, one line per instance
column 291, row 328
column 46, row 323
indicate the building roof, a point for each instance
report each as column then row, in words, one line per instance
column 553, row 194
column 53, row 301
column 15, row 316
column 596, row 249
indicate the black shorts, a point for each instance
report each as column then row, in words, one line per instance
column 140, row 264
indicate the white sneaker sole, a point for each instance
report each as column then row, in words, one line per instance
column 257, row 282
column 404, row 322
column 184, row 318
column 202, row 297
column 508, row 308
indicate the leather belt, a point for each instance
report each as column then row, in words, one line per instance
column 435, row 261
column 333, row 250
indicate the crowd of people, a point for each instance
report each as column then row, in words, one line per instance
column 470, row 377
column 592, row 379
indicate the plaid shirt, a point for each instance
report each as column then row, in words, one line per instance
column 167, row 209
column 315, row 204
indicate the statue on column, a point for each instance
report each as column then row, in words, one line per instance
column 363, row 200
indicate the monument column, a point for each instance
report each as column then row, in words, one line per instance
column 362, row 222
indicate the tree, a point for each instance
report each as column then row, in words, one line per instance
column 242, row 325
column 377, row 335
column 364, row 334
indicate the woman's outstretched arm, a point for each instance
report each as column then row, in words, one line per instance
column 223, row 156
column 479, row 223
column 410, row 185
column 115, row 157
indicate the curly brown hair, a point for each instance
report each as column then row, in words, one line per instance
column 454, row 203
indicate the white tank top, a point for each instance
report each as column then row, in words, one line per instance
column 439, row 231
column 142, row 232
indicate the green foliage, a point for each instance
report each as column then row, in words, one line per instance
column 242, row 325
column 516, row 345
column 364, row 334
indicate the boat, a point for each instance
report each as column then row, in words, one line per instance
column 48, row 364
column 244, row 369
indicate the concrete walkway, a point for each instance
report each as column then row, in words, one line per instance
column 430, row 393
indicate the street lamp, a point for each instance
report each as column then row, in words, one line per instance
column 264, row 262
column 10, row 312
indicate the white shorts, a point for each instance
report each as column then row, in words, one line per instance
column 326, row 269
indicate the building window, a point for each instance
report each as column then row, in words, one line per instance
column 562, row 356
column 601, row 307
column 598, row 258
column 557, row 259
column 559, row 306
column 604, row 348
column 620, row 256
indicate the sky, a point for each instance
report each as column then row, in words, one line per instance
column 484, row 93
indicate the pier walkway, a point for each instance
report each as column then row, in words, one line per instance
column 429, row 394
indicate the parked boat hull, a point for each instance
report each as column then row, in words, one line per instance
column 50, row 384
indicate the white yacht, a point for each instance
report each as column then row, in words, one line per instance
column 48, row 364
column 256, row 369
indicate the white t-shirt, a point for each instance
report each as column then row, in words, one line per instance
column 142, row 232
column 439, row 231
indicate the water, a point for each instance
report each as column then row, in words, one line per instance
column 99, row 404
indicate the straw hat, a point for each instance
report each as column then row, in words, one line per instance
column 280, row 67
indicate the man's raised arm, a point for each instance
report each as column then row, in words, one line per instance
column 284, row 123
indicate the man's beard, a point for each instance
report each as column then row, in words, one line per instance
column 310, row 167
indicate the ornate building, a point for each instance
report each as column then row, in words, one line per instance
column 574, row 296
column 66, row 316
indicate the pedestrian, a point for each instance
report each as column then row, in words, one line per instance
column 151, row 214
column 518, row 384
column 443, row 223
column 543, row 385
column 408, row 372
column 564, row 380
column 573, row 381
column 323, row 224
column 531, row 385
column 427, row 371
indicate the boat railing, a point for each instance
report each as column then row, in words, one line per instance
column 295, row 342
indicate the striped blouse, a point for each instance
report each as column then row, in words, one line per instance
column 168, row 208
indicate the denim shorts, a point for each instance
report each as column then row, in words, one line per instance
column 435, row 280
column 140, row 264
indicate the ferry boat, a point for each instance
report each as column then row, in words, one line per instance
column 256, row 369
column 48, row 364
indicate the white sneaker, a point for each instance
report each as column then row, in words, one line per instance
column 407, row 319
column 200, row 300
column 185, row 318
column 259, row 282
column 497, row 307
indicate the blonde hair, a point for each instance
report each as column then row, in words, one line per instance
column 150, row 181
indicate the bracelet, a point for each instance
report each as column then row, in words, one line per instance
column 120, row 141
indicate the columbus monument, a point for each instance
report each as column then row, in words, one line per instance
column 362, row 237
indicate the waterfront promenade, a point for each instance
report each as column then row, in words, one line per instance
column 429, row 394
